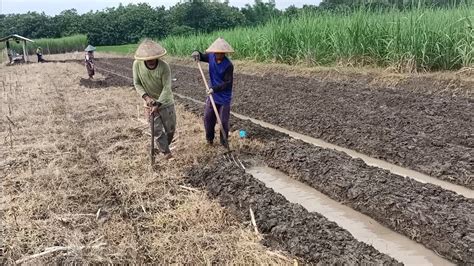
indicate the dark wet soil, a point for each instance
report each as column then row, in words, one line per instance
column 439, row 219
column 285, row 226
column 426, row 213
column 426, row 126
column 426, row 132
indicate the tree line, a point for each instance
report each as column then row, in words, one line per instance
column 130, row 23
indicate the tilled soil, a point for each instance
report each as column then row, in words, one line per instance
column 285, row 226
column 426, row 129
column 101, row 145
column 439, row 219
column 431, row 133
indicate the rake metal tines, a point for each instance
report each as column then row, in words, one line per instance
column 231, row 158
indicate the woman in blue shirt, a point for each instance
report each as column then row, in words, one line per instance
column 221, row 72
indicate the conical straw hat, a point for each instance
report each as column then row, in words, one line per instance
column 89, row 48
column 149, row 50
column 220, row 46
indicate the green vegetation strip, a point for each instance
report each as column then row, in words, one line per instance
column 424, row 39
column 429, row 39
column 52, row 46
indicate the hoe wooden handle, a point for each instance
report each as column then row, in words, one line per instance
column 214, row 107
column 152, row 144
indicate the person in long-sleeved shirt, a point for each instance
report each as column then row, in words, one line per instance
column 39, row 54
column 152, row 81
column 89, row 61
column 221, row 72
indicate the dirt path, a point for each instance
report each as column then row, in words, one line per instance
column 425, row 129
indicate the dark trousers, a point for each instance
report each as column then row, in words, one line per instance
column 165, row 126
column 210, row 120
column 90, row 69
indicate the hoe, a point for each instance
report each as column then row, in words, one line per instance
column 152, row 146
column 229, row 156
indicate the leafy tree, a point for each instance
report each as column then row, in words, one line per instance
column 182, row 30
column 260, row 12
column 126, row 24
column 292, row 11
column 31, row 24
column 205, row 16
column 68, row 22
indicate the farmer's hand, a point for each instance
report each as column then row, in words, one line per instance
column 210, row 91
column 149, row 101
column 155, row 110
column 196, row 56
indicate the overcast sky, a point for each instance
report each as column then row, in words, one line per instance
column 53, row 7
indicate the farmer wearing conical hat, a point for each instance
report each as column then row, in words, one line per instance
column 152, row 80
column 89, row 60
column 221, row 72
column 39, row 54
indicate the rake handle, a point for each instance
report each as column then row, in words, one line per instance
column 152, row 146
column 214, row 107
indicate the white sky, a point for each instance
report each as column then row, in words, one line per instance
column 53, row 7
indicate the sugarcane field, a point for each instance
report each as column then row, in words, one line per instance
column 261, row 132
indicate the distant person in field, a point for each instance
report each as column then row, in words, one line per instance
column 152, row 80
column 221, row 72
column 9, row 53
column 89, row 61
column 39, row 54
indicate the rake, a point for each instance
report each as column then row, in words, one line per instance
column 229, row 155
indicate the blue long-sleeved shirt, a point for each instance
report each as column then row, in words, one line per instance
column 222, row 77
